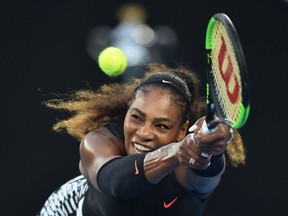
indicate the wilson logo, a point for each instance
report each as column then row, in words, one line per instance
column 227, row 72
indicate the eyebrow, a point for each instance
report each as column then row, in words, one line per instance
column 157, row 119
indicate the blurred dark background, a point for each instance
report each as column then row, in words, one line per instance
column 43, row 48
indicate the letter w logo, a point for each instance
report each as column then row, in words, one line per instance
column 227, row 73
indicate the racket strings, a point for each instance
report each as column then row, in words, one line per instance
column 226, row 80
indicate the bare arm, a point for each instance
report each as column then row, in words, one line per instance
column 98, row 147
column 204, row 185
column 101, row 146
column 163, row 161
column 177, row 156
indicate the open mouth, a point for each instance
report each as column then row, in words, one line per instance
column 141, row 149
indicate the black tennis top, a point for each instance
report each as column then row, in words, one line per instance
column 165, row 198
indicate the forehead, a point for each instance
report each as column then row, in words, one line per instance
column 157, row 102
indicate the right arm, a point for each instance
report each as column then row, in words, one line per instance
column 97, row 148
column 103, row 161
column 105, row 164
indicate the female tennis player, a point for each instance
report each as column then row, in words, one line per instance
column 140, row 148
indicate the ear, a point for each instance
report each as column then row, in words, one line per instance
column 183, row 131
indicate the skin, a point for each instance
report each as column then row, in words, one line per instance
column 153, row 126
column 151, row 122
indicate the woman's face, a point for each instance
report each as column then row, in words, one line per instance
column 153, row 120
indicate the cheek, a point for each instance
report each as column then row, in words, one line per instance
column 128, row 126
column 176, row 135
column 165, row 139
column 128, row 133
column 172, row 138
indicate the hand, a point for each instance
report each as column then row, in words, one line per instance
column 189, row 154
column 212, row 143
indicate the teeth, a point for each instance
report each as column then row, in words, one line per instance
column 142, row 148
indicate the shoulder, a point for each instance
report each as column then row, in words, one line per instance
column 103, row 140
column 98, row 147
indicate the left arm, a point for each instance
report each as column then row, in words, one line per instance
column 199, row 174
column 202, row 184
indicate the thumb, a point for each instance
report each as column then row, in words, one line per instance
column 192, row 128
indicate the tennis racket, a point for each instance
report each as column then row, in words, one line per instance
column 227, row 93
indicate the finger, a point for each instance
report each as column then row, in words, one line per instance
column 192, row 128
column 214, row 149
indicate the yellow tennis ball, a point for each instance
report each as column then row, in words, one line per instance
column 112, row 61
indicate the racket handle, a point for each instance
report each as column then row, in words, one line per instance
column 206, row 130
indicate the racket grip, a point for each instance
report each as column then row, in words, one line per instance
column 206, row 130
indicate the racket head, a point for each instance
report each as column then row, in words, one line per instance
column 227, row 76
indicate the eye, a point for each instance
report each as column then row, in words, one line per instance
column 136, row 117
column 163, row 126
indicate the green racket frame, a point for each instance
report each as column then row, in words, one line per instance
column 211, row 96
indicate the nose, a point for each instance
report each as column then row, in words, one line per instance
column 145, row 133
